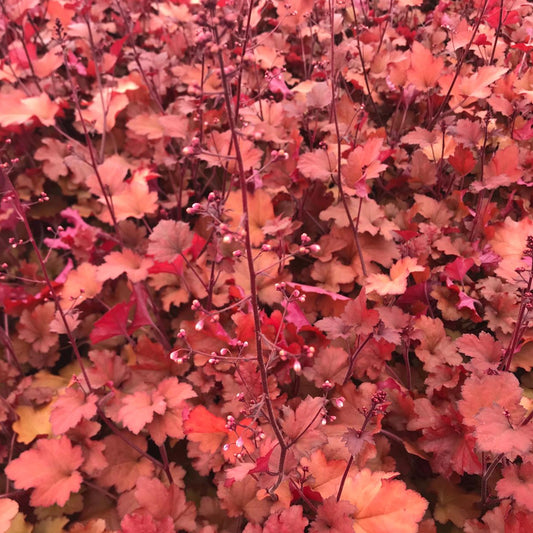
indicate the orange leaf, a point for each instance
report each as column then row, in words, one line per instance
column 81, row 283
column 113, row 103
column 138, row 409
column 266, row 266
column 117, row 263
column 301, row 425
column 154, row 127
column 454, row 503
column 70, row 408
column 16, row 109
column 331, row 364
column 477, row 85
column 497, row 432
column 319, row 164
column 206, row 429
column 425, row 68
column 135, row 200
column 161, row 502
column 289, row 520
column 363, row 164
column 332, row 274
column 396, row 281
column 112, row 172
column 170, row 423
column 49, row 62
column 8, row 510
column 51, row 469
column 509, row 241
column 260, row 211
column 221, row 152
column 383, row 504
column 32, row 422
column 34, row 327
column 503, row 170
column 241, row 499
column 126, row 465
column 480, row 392
column 52, row 154
column 326, row 475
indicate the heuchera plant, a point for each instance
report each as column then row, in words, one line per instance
column 266, row 266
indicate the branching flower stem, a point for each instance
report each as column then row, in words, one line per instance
column 90, row 146
column 520, row 325
column 497, row 34
column 338, row 135
column 17, row 204
column 363, row 65
column 244, row 50
column 353, row 357
column 100, row 87
column 251, row 269
column 376, row 403
column 460, row 63
column 19, row 208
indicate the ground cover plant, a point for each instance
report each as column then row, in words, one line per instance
column 266, row 266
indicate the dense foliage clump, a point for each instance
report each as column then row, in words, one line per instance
column 266, row 266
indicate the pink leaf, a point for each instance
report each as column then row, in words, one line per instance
column 334, row 516
column 289, row 520
column 517, row 483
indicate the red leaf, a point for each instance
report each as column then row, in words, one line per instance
column 141, row 316
column 457, row 269
column 308, row 493
column 261, row 464
column 481, row 40
column 113, row 323
column 525, row 132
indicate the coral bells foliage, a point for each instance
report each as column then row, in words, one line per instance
column 266, row 266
